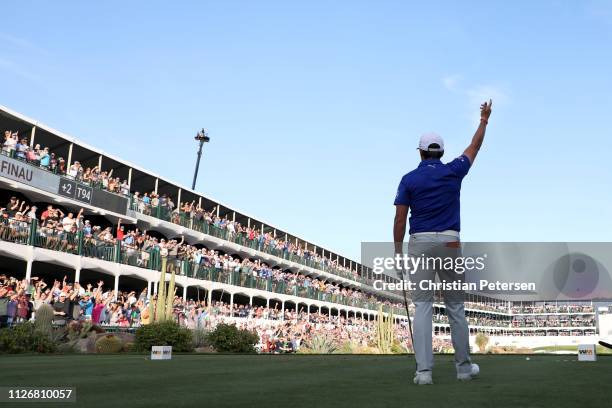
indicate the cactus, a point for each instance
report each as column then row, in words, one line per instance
column 151, row 310
column 170, row 297
column 109, row 343
column 44, row 318
column 161, row 309
column 161, row 294
column 384, row 331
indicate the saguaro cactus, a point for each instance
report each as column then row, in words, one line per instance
column 160, row 308
column 384, row 331
column 44, row 318
column 170, row 297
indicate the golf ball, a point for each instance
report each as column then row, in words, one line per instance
column 527, row 358
column 475, row 369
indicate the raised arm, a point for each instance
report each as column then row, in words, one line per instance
column 474, row 147
column 399, row 226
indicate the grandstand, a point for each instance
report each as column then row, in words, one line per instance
column 73, row 210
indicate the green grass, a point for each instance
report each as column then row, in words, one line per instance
column 311, row 381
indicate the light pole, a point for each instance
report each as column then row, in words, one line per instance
column 201, row 137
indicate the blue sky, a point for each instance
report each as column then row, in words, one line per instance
column 315, row 108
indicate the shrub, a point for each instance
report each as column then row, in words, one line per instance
column 200, row 338
column 318, row 344
column 348, row 347
column 24, row 338
column 228, row 338
column 166, row 333
column 398, row 348
column 481, row 341
column 109, row 343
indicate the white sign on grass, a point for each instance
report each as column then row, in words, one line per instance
column 587, row 352
column 161, row 353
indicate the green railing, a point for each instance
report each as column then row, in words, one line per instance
column 77, row 243
column 184, row 220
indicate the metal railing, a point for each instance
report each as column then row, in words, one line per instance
column 201, row 225
column 77, row 243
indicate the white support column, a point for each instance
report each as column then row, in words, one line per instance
column 178, row 199
column 268, row 303
column 32, row 137
column 69, row 161
column 149, row 289
column 248, row 222
column 218, row 206
column 283, row 310
column 156, row 184
column 29, row 270
column 77, row 274
column 155, row 286
column 116, row 285
column 130, row 178
column 100, row 163
column 233, row 216
column 209, row 297
column 184, row 293
column 251, row 300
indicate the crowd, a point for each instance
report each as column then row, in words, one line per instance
column 279, row 330
column 552, row 308
column 20, row 299
column 150, row 203
column 21, row 149
column 490, row 307
column 192, row 215
column 554, row 321
column 480, row 321
column 59, row 231
column 524, row 320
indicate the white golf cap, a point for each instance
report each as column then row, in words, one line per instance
column 430, row 138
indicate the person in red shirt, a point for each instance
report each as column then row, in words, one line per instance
column 120, row 230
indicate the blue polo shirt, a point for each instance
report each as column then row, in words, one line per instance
column 432, row 192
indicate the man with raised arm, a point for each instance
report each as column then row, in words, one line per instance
column 431, row 192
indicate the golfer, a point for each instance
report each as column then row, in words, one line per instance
column 431, row 192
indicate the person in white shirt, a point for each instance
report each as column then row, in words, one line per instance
column 73, row 170
column 68, row 222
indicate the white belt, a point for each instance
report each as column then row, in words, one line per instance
column 451, row 233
